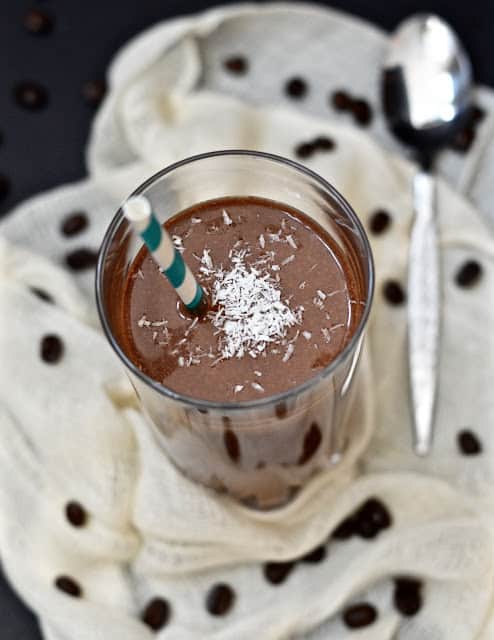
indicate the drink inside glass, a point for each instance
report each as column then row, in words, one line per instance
column 252, row 396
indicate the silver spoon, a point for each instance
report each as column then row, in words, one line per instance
column 427, row 98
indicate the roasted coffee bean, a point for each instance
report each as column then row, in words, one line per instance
column 468, row 274
column 278, row 572
column 341, row 100
column 359, row 615
column 237, row 65
column 468, row 443
column 41, row 294
column 75, row 514
column 346, row 529
column 220, row 600
column 38, row 22
column 478, row 114
column 362, row 112
column 81, row 259
column 156, row 614
column 464, row 139
column 312, row 440
column 366, row 528
column 232, row 445
column 51, row 349
column 379, row 221
column 323, row 143
column 69, row 586
column 31, row 96
column 393, row 293
column 315, row 556
column 93, row 92
column 372, row 517
column 407, row 596
column 4, row 186
column 304, row 150
column 74, row 223
column 296, row 88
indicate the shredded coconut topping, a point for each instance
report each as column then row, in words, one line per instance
column 226, row 218
column 250, row 312
column 179, row 245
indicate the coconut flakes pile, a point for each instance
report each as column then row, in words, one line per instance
column 250, row 312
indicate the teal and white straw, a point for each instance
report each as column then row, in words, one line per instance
column 139, row 213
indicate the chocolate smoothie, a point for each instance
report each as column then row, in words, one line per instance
column 284, row 302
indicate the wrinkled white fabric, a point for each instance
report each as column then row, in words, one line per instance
column 71, row 431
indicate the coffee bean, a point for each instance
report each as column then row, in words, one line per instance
column 468, row 274
column 468, row 443
column 377, row 512
column 38, row 22
column 312, row 440
column 4, row 186
column 232, row 445
column 69, row 586
column 237, row 65
column 323, row 143
column 407, row 596
column 31, row 96
column 393, row 293
column 304, row 150
column 74, row 223
column 478, row 114
column 359, row 615
column 366, row 528
column 81, row 259
column 296, row 88
column 315, row 556
column 463, row 139
column 341, row 101
column 75, row 514
column 278, row 572
column 379, row 221
column 93, row 92
column 220, row 599
column 156, row 614
column 346, row 529
column 51, row 349
column 281, row 410
column 362, row 112
column 41, row 294
column 372, row 517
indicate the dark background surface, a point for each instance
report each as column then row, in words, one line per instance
column 45, row 148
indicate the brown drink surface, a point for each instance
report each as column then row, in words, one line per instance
column 286, row 301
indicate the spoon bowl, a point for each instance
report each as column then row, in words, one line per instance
column 426, row 83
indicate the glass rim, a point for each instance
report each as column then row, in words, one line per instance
column 246, row 404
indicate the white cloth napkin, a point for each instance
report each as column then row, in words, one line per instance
column 70, row 430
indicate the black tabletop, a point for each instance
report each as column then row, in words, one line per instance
column 66, row 49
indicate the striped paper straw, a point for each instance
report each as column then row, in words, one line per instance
column 138, row 212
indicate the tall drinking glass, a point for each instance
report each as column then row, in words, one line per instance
column 261, row 451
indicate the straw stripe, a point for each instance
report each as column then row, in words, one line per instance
column 176, row 273
column 139, row 213
column 165, row 253
column 188, row 290
column 152, row 234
